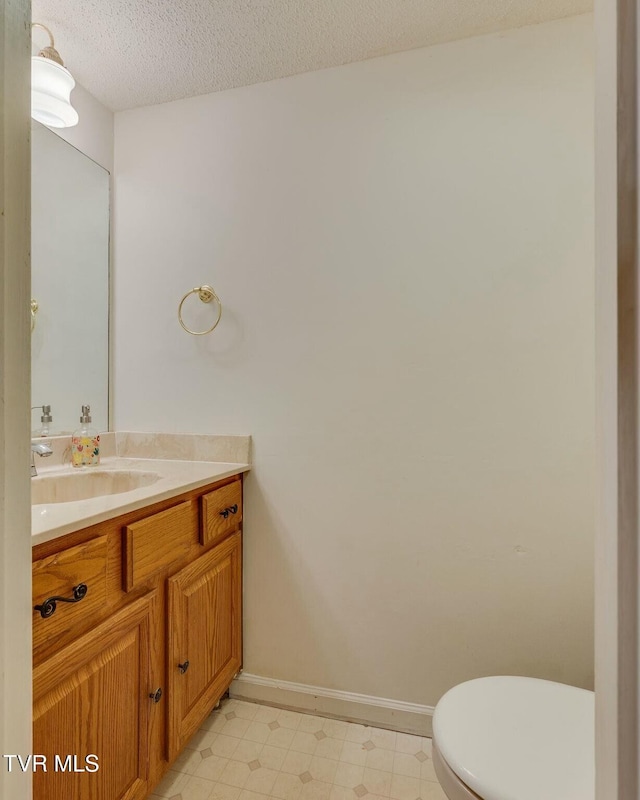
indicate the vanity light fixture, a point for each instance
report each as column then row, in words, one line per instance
column 51, row 85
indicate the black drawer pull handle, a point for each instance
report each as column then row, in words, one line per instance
column 48, row 608
column 155, row 696
column 183, row 667
column 230, row 510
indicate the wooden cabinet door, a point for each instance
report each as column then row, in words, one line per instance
column 205, row 637
column 92, row 698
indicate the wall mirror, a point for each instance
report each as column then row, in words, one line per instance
column 69, row 284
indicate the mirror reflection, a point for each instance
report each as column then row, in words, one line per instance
column 69, row 285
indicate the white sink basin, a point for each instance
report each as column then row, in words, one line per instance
column 90, row 482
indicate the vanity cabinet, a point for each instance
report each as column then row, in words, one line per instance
column 129, row 671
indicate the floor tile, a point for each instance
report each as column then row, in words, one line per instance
column 244, row 710
column 188, row 761
column 257, row 732
column 383, row 738
column 197, row 789
column 304, row 742
column 336, row 728
column 236, row 727
column 354, row 753
column 428, row 772
column 404, row 788
column 406, row 743
column 341, row 793
column 310, row 724
column 247, row 750
column 329, row 748
column 266, row 714
column 214, row 722
column 224, row 746
column 405, row 764
column 380, row 759
column 201, row 739
column 296, row 763
column 315, row 790
column 223, row 792
column 211, row 768
column 357, row 733
column 261, row 780
column 272, row 757
column 290, row 719
column 287, row 787
column 323, row 769
column 377, row 781
column 431, row 791
column 171, row 784
column 281, row 737
column 349, row 775
column 235, row 774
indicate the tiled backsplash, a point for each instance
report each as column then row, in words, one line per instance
column 184, row 446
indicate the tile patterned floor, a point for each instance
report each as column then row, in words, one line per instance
column 246, row 751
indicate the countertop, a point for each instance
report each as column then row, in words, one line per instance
column 49, row 521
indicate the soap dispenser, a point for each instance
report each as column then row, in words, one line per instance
column 45, row 419
column 85, row 443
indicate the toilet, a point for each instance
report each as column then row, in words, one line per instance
column 512, row 738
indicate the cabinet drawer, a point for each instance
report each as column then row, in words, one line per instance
column 221, row 512
column 154, row 543
column 63, row 576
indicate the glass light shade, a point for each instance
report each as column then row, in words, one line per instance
column 51, row 86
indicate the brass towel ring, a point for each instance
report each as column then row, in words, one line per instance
column 206, row 294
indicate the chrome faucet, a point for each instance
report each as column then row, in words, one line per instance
column 42, row 449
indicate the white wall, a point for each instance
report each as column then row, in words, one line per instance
column 403, row 248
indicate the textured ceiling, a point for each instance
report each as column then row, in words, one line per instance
column 132, row 53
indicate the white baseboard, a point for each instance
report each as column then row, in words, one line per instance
column 365, row 709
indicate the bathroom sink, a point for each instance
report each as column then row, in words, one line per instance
column 73, row 486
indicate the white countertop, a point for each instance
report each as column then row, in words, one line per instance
column 49, row 521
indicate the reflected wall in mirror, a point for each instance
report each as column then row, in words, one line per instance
column 69, row 283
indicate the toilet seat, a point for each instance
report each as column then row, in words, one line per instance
column 512, row 738
column 453, row 787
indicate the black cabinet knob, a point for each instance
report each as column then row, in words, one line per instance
column 155, row 696
column 183, row 667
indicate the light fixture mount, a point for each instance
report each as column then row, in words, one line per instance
column 50, row 51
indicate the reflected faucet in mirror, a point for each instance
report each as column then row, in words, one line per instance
column 43, row 450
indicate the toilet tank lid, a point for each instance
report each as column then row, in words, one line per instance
column 513, row 738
